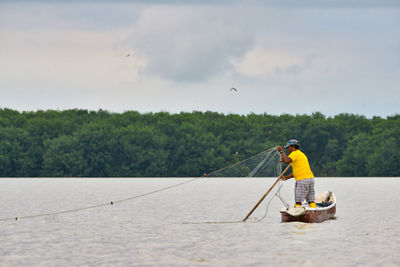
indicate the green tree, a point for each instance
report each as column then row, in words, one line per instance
column 63, row 157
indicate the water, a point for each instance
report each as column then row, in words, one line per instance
column 167, row 228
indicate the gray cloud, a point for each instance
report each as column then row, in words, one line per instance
column 269, row 3
column 190, row 44
column 330, row 59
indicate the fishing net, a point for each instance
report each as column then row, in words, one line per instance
column 265, row 164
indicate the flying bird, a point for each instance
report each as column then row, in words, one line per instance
column 128, row 55
column 233, row 89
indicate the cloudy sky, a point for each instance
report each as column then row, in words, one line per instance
column 150, row 56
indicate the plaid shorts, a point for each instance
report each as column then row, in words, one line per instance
column 304, row 189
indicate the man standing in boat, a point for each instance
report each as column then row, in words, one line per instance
column 304, row 188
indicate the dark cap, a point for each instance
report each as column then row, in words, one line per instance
column 292, row 142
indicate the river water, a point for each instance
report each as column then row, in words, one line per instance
column 169, row 228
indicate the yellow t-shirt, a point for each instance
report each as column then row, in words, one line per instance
column 301, row 167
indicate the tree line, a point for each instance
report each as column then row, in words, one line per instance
column 82, row 143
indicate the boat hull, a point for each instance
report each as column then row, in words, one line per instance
column 310, row 216
column 313, row 215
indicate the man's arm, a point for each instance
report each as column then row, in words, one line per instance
column 285, row 158
column 284, row 178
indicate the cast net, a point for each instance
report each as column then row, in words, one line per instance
column 265, row 164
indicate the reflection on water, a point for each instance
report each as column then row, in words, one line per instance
column 194, row 224
column 302, row 228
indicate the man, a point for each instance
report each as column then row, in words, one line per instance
column 304, row 188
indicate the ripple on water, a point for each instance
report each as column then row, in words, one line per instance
column 178, row 227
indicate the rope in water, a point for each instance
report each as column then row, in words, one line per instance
column 100, row 205
column 121, row 200
column 277, row 194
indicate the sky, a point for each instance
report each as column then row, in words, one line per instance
column 292, row 57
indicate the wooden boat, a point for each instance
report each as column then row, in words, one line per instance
column 326, row 209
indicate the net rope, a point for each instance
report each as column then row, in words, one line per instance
column 264, row 164
column 277, row 194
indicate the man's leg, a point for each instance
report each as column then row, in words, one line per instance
column 300, row 192
column 311, row 194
